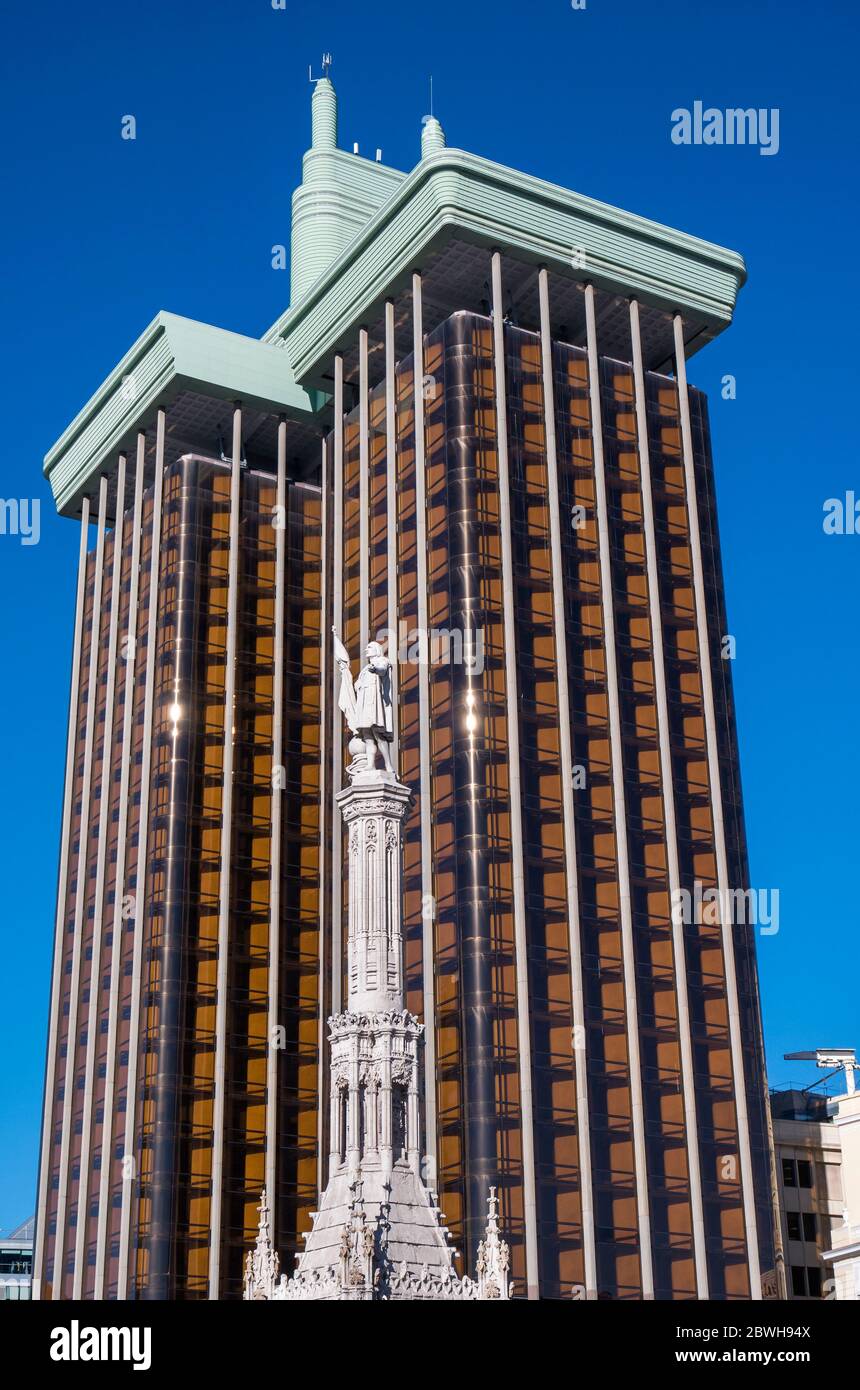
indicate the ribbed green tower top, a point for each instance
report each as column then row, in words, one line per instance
column 360, row 231
column 338, row 195
column 324, row 116
column 432, row 137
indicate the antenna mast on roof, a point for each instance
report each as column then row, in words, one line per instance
column 326, row 66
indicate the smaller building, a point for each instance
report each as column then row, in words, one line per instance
column 817, row 1150
column 843, row 1254
column 16, row 1262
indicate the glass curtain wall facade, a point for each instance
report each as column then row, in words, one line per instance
column 552, row 597
column 146, row 986
column 639, row 999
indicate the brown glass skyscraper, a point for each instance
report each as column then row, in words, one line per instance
column 529, row 516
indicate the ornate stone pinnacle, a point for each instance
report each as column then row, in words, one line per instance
column 262, row 1265
column 493, row 1257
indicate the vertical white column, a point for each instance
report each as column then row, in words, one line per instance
column 80, row 903
column 60, row 922
column 122, row 830
column 129, row 1184
column 667, row 778
column 391, row 518
column 337, row 759
column 363, row 494
column 222, row 976
column 334, row 1148
column 513, row 718
column 583, row 1123
column 386, row 1151
column 371, row 1100
column 325, row 648
column 717, row 811
column 413, row 1152
column 620, row 805
column 277, row 803
column 428, row 901
column 353, row 1127
column 103, row 832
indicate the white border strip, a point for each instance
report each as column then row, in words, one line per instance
column 583, row 1119
column 717, row 806
column 223, row 972
column 93, row 1008
column 82, row 874
column 517, row 869
column 129, row 1185
column 627, row 946
column 102, row 1256
column 60, row 924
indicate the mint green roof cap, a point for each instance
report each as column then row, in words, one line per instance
column 359, row 231
column 171, row 355
column 338, row 194
column 454, row 195
column 432, row 137
column 324, row 116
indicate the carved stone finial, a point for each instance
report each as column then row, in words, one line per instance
column 494, row 1257
column 262, row 1265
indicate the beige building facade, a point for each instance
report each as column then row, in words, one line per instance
column 817, row 1145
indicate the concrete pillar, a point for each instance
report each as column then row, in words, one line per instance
column 129, row 656
column 98, row 916
column 667, row 779
column 619, row 800
column 519, row 896
column 337, row 720
column 130, row 1174
column 60, row 921
column 583, row 1119
column 324, row 901
column 428, row 901
column 277, row 806
column 717, row 811
column 219, row 1106
column 391, row 518
column 61, row 1239
column 363, row 494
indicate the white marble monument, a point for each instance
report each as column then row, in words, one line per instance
column 379, row 1233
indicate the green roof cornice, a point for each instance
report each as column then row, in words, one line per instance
column 171, row 355
column 456, row 194
column 450, row 196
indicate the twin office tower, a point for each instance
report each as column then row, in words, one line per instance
column 471, row 433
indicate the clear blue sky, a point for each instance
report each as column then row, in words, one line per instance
column 101, row 233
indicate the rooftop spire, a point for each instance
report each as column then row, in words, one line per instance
column 324, row 110
column 494, row 1257
column 432, row 137
column 262, row 1265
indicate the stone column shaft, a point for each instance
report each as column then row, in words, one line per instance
column 373, row 808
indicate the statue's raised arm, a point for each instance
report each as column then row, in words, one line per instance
column 346, row 694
